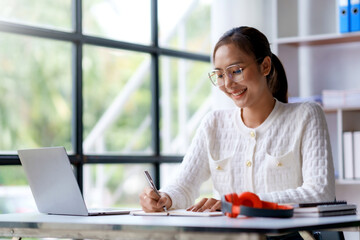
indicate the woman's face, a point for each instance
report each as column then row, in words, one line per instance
column 253, row 87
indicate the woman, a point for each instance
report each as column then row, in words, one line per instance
column 278, row 150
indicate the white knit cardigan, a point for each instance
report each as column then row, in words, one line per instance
column 287, row 159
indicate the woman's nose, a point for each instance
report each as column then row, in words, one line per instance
column 228, row 82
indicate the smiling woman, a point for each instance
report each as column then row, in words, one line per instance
column 249, row 148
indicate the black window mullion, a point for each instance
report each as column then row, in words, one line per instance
column 77, row 125
column 77, row 81
column 155, row 109
column 155, row 93
column 154, row 23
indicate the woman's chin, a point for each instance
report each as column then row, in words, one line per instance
column 239, row 101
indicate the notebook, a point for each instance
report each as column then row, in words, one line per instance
column 53, row 183
column 324, row 209
column 177, row 212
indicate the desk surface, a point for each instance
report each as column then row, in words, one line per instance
column 17, row 224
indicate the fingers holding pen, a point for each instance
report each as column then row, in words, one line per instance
column 151, row 193
column 164, row 201
column 150, row 201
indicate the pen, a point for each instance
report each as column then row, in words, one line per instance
column 152, row 185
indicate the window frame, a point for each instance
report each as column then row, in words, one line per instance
column 78, row 40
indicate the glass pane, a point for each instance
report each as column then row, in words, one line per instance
column 114, row 185
column 168, row 172
column 185, row 99
column 15, row 193
column 120, row 20
column 117, row 101
column 185, row 25
column 35, row 90
column 51, row 14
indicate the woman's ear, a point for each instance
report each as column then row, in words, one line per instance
column 266, row 66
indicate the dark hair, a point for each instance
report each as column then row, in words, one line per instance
column 253, row 42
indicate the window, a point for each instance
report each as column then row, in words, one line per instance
column 185, row 25
column 185, row 99
column 119, row 120
column 122, row 88
column 42, row 13
column 119, row 20
column 36, row 86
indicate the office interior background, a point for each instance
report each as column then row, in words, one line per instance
column 123, row 85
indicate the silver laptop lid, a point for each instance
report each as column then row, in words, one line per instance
column 52, row 181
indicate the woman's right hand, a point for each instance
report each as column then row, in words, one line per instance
column 151, row 202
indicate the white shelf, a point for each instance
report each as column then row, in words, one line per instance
column 344, row 109
column 347, row 181
column 322, row 39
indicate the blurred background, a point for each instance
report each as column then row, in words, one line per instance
column 122, row 85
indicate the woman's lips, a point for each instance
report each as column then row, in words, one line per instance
column 235, row 94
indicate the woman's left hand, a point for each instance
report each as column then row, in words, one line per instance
column 208, row 204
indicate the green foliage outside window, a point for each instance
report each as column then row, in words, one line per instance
column 36, row 106
column 36, row 91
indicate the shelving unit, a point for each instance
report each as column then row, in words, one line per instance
column 306, row 38
column 345, row 121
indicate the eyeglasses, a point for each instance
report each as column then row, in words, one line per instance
column 233, row 73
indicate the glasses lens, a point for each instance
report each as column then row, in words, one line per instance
column 234, row 73
column 214, row 77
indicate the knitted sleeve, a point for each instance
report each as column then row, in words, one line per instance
column 317, row 164
column 193, row 171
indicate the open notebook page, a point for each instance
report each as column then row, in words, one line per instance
column 177, row 212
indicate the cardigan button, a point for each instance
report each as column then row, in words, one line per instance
column 218, row 167
column 248, row 163
column 252, row 134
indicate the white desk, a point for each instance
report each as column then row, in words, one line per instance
column 161, row 227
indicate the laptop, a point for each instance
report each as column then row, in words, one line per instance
column 53, row 183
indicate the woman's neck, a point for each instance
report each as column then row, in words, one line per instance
column 254, row 116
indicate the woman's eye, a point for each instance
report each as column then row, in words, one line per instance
column 237, row 71
column 220, row 75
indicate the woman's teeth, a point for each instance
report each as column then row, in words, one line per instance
column 238, row 93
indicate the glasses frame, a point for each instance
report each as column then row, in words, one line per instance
column 225, row 72
column 231, row 77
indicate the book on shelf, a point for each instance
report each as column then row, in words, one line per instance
column 177, row 212
column 354, row 15
column 348, row 148
column 314, row 98
column 344, row 16
column 356, row 138
column 341, row 98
